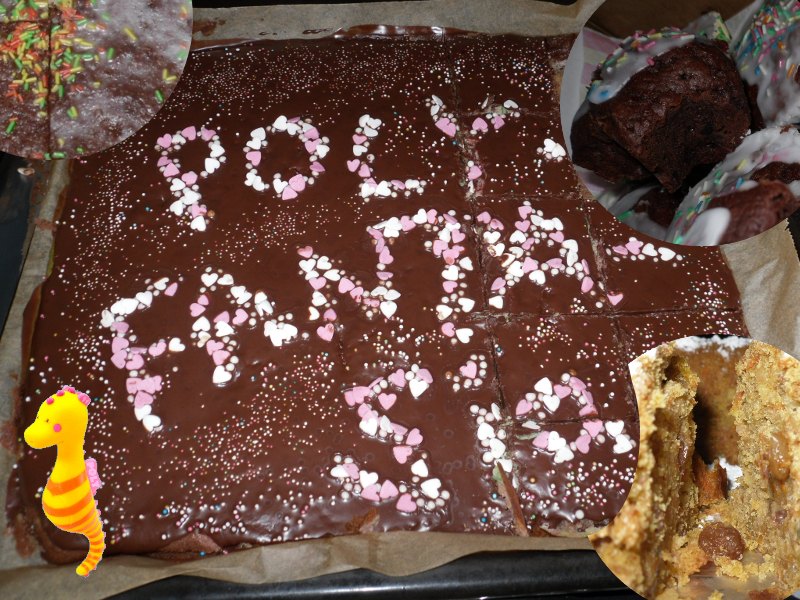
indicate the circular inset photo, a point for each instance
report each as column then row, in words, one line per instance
column 714, row 510
column 687, row 132
column 78, row 76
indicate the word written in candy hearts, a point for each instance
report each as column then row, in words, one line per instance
column 447, row 245
column 362, row 161
column 184, row 184
column 373, row 403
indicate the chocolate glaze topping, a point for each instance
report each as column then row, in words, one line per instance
column 326, row 290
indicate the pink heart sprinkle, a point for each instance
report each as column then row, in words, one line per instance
column 312, row 133
column 449, row 329
column 171, row 289
column 352, row 470
column 254, row 156
column 498, row 284
column 498, row 122
column 425, row 376
column 305, row 251
column 401, row 453
column 480, row 125
column 240, row 317
column 326, row 332
column 364, row 171
column 587, row 284
column 150, row 385
column 523, row 407
column 316, row 167
column 615, row 298
column 202, row 299
column 524, row 211
column 119, row 358
column 449, row 286
column 352, row 165
column 207, row 134
column 446, row 126
column 119, row 343
column 359, row 139
column 439, row 246
column 541, row 440
column 458, row 236
column 157, row 349
column 593, row 427
column 190, row 133
column 529, row 265
column 620, row 250
column 407, row 223
column 405, row 503
column 484, row 218
column 223, row 317
column 330, row 315
column 387, row 400
column 119, row 326
column 371, row 493
column 414, row 437
column 474, row 172
column 469, row 370
column 634, row 245
column 385, row 257
column 171, row 170
column 288, row 193
column 398, row 378
column 142, row 399
column 132, row 384
column 214, row 345
column 345, row 285
column 582, row 443
column 388, row 490
column 318, row 282
column 398, row 184
column 196, row 309
column 163, row 161
column 557, row 236
column 136, row 362
column 297, row 183
column 356, row 395
column 562, row 391
column 164, row 141
column 220, row 356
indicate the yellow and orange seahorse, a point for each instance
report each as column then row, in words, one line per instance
column 68, row 499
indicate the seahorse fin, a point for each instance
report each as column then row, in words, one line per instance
column 94, row 478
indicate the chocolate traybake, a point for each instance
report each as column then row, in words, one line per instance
column 328, row 291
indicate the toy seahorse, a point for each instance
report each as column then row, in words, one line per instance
column 68, row 499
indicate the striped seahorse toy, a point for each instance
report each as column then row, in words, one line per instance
column 68, row 498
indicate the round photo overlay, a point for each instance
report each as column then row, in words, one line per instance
column 78, row 76
column 714, row 510
column 687, row 130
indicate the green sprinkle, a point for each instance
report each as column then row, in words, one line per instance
column 159, row 97
column 72, row 112
column 110, row 54
column 12, row 125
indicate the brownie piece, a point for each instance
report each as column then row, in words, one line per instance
column 685, row 106
column 756, row 209
column 752, row 189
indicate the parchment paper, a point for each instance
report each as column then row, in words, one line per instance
column 766, row 260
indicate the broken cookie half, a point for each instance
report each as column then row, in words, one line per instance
column 714, row 509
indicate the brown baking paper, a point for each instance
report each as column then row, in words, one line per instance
column 765, row 267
